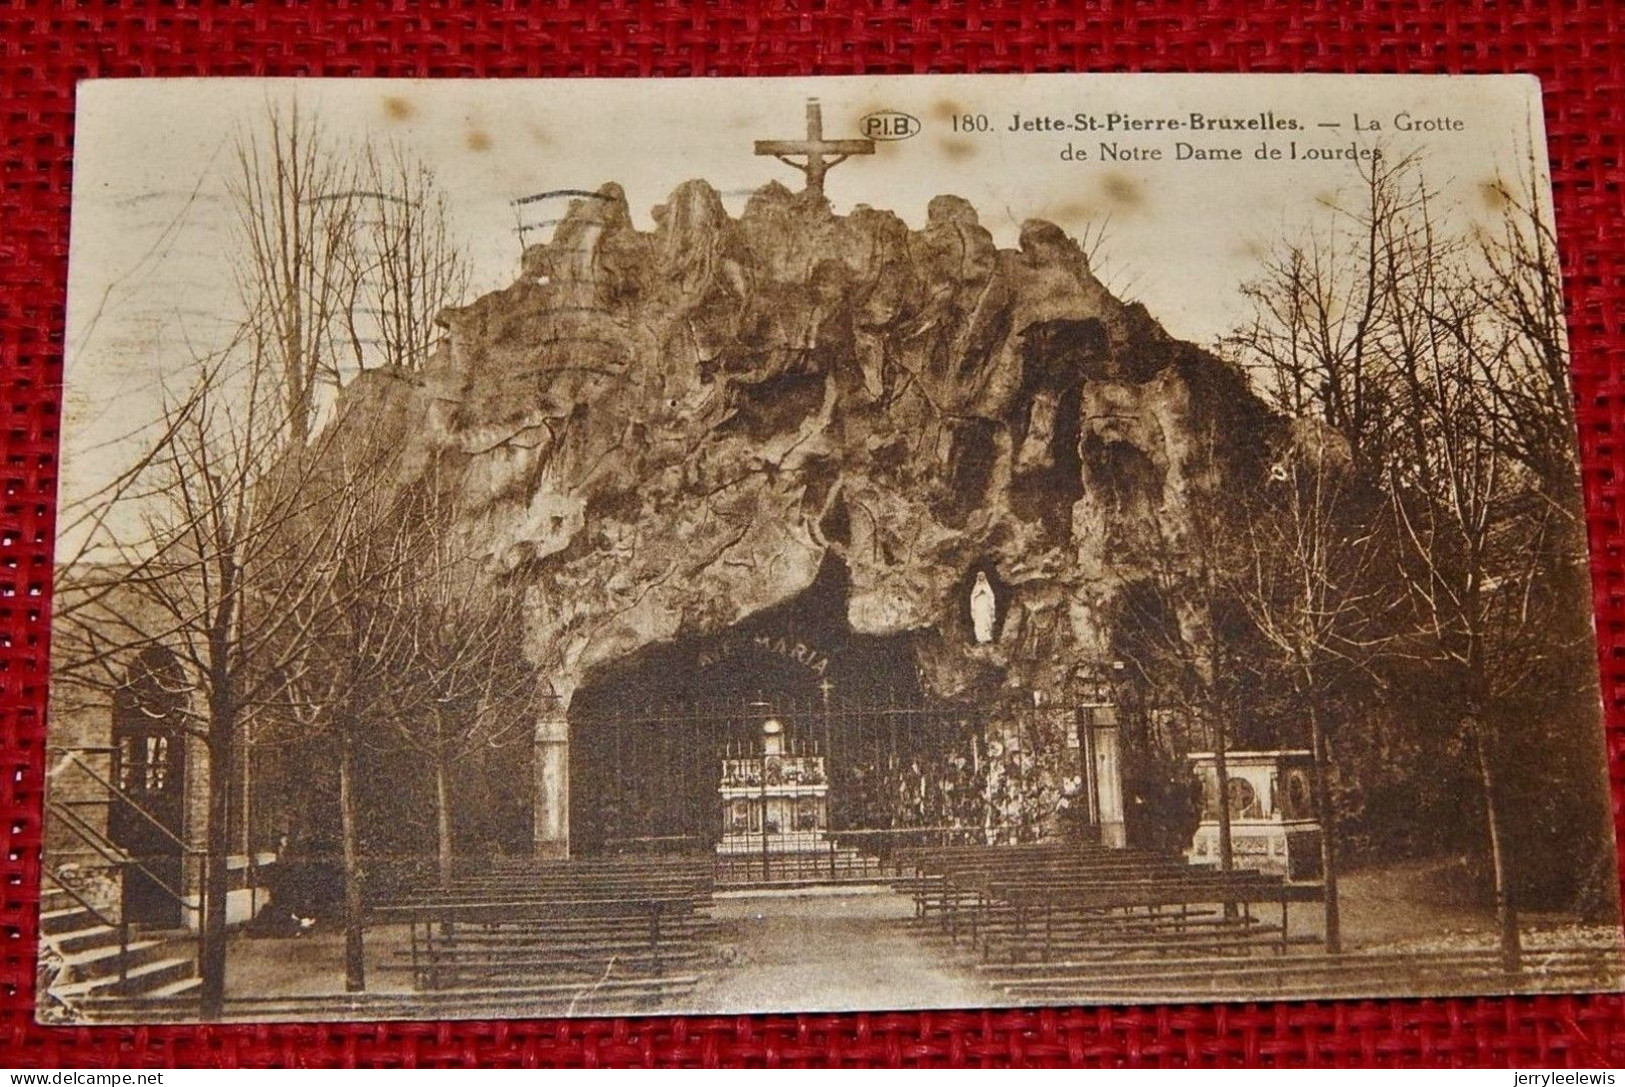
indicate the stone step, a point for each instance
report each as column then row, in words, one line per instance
column 159, row 998
column 54, row 898
column 174, row 990
column 83, row 939
column 65, row 918
column 146, row 977
column 104, row 958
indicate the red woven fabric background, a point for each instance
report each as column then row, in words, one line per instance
column 44, row 48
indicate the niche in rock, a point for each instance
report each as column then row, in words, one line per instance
column 971, row 458
column 775, row 405
column 1056, row 358
column 1063, row 352
column 1128, row 482
column 984, row 601
column 1049, row 477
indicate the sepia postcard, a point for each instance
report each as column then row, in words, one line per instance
column 603, row 547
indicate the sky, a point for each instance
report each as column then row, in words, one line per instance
column 149, row 279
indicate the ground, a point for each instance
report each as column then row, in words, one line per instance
column 800, row 952
column 825, row 950
column 313, row 964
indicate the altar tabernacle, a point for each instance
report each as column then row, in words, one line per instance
column 775, row 800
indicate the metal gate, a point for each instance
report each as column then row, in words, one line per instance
column 650, row 779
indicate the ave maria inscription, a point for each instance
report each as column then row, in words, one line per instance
column 810, row 657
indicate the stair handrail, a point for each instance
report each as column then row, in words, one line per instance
column 104, row 847
column 122, row 926
column 115, row 854
column 73, row 757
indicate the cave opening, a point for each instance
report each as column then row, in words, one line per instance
column 649, row 734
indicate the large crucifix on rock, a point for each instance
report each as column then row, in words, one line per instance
column 814, row 149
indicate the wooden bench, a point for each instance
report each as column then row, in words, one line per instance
column 1043, row 901
column 552, row 924
column 1302, row 976
column 948, row 881
column 454, row 944
column 1032, row 918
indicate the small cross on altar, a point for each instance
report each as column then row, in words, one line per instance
column 814, row 148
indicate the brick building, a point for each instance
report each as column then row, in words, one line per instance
column 128, row 767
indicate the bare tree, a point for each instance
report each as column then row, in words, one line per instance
column 1521, row 297
column 401, row 266
column 239, row 487
column 341, row 647
column 463, row 684
column 399, row 638
column 1177, row 636
column 344, row 253
column 1442, row 362
column 1471, row 559
column 1316, row 343
column 216, row 497
column 1307, row 581
column 1526, row 375
column 294, row 193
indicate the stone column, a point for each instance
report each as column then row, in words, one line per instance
column 552, row 772
column 1108, row 777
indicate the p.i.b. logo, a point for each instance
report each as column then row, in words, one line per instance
column 890, row 124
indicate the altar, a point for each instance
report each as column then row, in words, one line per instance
column 1273, row 824
column 775, row 799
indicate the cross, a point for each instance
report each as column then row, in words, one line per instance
column 814, row 148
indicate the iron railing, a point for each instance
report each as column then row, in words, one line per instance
column 114, row 855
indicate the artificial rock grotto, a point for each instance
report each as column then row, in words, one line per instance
column 669, row 440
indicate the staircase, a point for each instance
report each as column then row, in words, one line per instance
column 97, row 966
column 101, row 968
